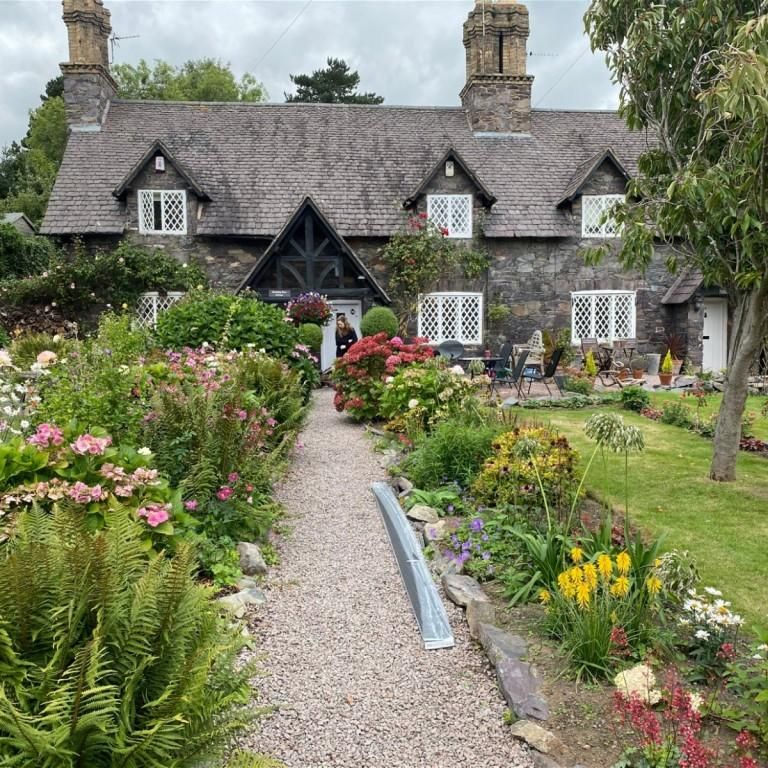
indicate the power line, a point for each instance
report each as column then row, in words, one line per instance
column 283, row 33
column 559, row 79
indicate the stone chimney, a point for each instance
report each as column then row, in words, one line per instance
column 88, row 86
column 497, row 93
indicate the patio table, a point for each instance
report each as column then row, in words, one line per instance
column 490, row 364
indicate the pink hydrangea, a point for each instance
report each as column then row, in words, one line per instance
column 191, row 505
column 85, row 494
column 396, row 341
column 144, row 476
column 155, row 514
column 87, row 445
column 46, row 436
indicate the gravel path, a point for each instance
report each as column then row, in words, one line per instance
column 337, row 642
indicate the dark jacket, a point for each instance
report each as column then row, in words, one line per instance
column 343, row 343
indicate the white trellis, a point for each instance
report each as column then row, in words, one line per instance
column 152, row 303
column 602, row 315
column 451, row 315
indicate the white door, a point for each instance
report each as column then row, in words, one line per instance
column 715, row 337
column 353, row 310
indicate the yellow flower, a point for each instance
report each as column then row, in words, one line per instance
column 653, row 585
column 577, row 555
column 590, row 576
column 583, row 594
column 567, row 587
column 544, row 596
column 620, row 587
column 623, row 563
column 605, row 566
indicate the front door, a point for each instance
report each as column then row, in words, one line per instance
column 353, row 310
column 715, row 337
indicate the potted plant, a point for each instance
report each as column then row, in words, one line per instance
column 667, row 368
column 675, row 343
column 638, row 367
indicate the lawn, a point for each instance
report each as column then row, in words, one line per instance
column 712, row 405
column 724, row 525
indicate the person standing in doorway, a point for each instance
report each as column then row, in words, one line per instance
column 345, row 335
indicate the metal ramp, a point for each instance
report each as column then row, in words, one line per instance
column 427, row 607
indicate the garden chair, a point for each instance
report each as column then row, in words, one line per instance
column 451, row 349
column 531, row 374
column 535, row 347
column 502, row 364
column 512, row 377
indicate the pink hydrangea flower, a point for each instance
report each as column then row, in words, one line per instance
column 191, row 505
column 396, row 341
column 46, row 435
column 155, row 514
column 87, row 445
column 84, row 494
column 124, row 491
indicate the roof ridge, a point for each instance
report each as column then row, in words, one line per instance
column 579, row 111
column 289, row 104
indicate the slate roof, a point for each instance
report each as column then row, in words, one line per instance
column 687, row 283
column 257, row 162
column 585, row 170
column 14, row 218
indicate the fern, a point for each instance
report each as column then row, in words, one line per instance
column 110, row 659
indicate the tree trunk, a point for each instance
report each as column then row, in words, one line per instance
column 747, row 333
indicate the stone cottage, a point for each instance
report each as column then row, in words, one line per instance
column 283, row 198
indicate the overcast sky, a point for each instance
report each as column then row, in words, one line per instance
column 408, row 51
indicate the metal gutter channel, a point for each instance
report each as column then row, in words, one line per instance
column 427, row 607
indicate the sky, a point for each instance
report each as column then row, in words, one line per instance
column 408, row 51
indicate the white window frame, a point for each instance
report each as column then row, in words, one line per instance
column 580, row 299
column 164, row 195
column 592, row 222
column 451, row 200
column 466, row 333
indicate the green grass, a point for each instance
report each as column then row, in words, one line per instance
column 724, row 525
column 712, row 406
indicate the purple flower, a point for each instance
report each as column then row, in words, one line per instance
column 449, row 509
column 476, row 525
column 486, row 555
column 455, row 540
column 463, row 557
column 485, row 537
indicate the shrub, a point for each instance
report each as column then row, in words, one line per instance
column 666, row 364
column 22, row 255
column 25, row 348
column 420, row 395
column 525, row 462
column 635, row 399
column 311, row 335
column 677, row 414
column 453, row 452
column 227, row 322
column 5, row 339
column 111, row 658
column 590, row 366
column 359, row 375
column 113, row 278
column 379, row 320
column 581, row 386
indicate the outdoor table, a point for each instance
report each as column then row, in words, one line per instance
column 490, row 364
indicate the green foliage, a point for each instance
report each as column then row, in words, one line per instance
column 530, row 467
column 379, row 320
column 5, row 339
column 581, row 386
column 419, row 256
column 111, row 658
column 590, row 366
column 97, row 383
column 635, row 399
column 666, row 364
column 678, row 414
column 115, row 278
column 311, row 335
column 445, row 500
column 335, row 84
column 250, row 760
column 453, row 452
column 24, row 349
column 22, row 255
column 200, row 80
column 227, row 322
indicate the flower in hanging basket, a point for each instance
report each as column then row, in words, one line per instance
column 309, row 307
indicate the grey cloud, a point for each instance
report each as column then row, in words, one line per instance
column 411, row 53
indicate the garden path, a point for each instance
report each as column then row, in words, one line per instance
column 341, row 654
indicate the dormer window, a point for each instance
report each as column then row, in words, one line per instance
column 596, row 219
column 163, row 212
column 452, row 213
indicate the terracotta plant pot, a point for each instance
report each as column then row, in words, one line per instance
column 665, row 379
column 638, row 373
column 623, row 374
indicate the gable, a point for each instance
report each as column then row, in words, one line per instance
column 601, row 174
column 309, row 255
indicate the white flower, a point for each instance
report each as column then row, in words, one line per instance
column 701, row 634
column 697, row 701
column 762, row 647
column 458, row 370
column 5, row 358
column 24, row 424
column 144, row 451
column 640, row 681
column 757, row 657
column 712, row 591
column 389, row 379
column 413, row 402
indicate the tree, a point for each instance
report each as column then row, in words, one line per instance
column 201, row 80
column 333, row 85
column 694, row 75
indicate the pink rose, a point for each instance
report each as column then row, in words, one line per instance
column 224, row 493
